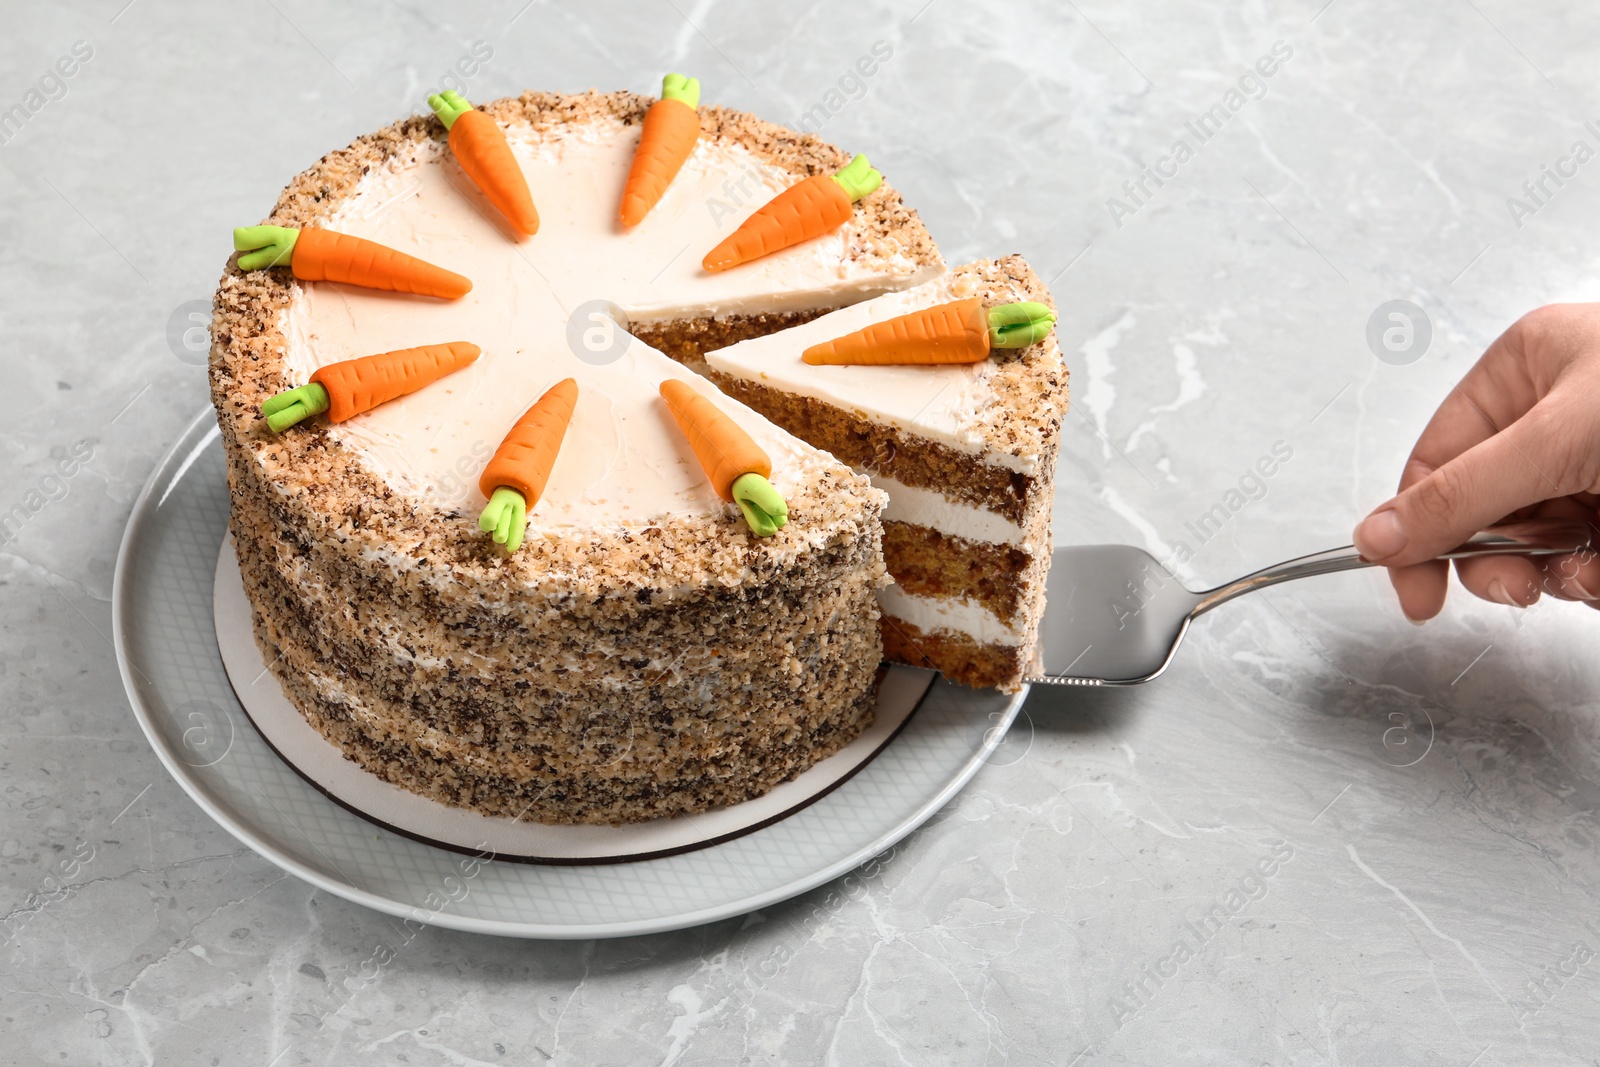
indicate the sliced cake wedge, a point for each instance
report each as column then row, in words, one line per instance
column 966, row 452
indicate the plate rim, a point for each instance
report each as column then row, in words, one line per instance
column 244, row 832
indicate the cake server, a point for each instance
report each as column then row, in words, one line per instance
column 1115, row 616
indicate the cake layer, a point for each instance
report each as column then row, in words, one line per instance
column 915, row 506
column 931, row 563
column 957, row 615
column 958, row 656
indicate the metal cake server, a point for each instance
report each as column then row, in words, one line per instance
column 1115, row 616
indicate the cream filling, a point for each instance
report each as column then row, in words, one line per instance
column 930, row 508
column 944, row 404
column 538, row 312
column 948, row 613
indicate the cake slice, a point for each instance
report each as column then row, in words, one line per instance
column 967, row 454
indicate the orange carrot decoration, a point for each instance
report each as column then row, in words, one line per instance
column 735, row 464
column 811, row 208
column 956, row 332
column 671, row 128
column 316, row 255
column 479, row 145
column 515, row 478
column 352, row 386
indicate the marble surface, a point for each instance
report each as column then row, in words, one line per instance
column 1398, row 824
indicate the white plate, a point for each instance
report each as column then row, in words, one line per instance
column 167, row 647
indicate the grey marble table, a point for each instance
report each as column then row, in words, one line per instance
column 1323, row 837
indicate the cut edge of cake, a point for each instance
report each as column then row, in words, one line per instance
column 967, row 534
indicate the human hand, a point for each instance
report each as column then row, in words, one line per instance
column 1519, row 437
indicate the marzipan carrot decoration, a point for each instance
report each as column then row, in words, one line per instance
column 811, row 208
column 736, row 465
column 956, row 332
column 479, row 145
column 671, row 128
column 316, row 255
column 515, row 478
column 351, row 386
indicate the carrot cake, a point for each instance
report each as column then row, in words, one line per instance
column 643, row 652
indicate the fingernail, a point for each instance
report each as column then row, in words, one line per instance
column 1416, row 622
column 1501, row 595
column 1380, row 535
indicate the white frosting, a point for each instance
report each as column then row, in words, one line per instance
column 948, row 613
column 926, row 507
column 941, row 403
column 623, row 459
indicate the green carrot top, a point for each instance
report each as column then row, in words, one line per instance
column 858, row 178
column 763, row 508
column 295, row 406
column 505, row 517
column 268, row 246
column 449, row 106
column 684, row 90
column 1019, row 325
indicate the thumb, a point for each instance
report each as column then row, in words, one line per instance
column 1521, row 465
